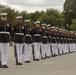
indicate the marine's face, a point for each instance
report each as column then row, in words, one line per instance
column 53, row 29
column 27, row 23
column 56, row 30
column 19, row 20
column 60, row 31
column 37, row 25
column 48, row 27
column 43, row 27
column 3, row 18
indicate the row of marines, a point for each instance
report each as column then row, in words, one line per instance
column 47, row 41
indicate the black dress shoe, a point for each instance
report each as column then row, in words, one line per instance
column 64, row 54
column 27, row 61
column 56, row 55
column 53, row 56
column 43, row 58
column 60, row 54
column 19, row 63
column 36, row 60
column 0, row 66
column 47, row 56
column 4, row 66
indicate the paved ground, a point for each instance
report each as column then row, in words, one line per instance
column 61, row 65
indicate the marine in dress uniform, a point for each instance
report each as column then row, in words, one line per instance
column 70, row 45
column 5, row 32
column 0, row 59
column 74, row 42
column 37, row 40
column 19, row 38
column 28, row 41
column 53, row 41
column 44, row 42
column 65, row 41
column 61, row 43
column 48, row 51
column 57, row 40
column 68, row 41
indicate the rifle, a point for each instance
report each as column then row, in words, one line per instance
column 0, row 63
column 15, row 54
column 23, row 49
column 0, row 59
column 33, row 52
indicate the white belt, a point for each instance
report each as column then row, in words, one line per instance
column 53, row 38
column 57, row 37
column 5, row 33
column 37, row 35
column 61, row 38
column 28, row 35
column 19, row 33
column 44, row 36
column 49, row 36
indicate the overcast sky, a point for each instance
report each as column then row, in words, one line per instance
column 34, row 5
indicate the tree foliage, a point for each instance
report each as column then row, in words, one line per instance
column 73, row 25
column 69, row 11
column 50, row 16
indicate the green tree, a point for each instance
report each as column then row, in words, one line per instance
column 53, row 17
column 50, row 16
column 73, row 25
column 69, row 11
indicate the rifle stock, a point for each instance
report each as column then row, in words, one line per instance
column 0, row 60
column 33, row 52
column 15, row 54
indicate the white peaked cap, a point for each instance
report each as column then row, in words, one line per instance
column 53, row 27
column 27, row 20
column 63, row 30
column 37, row 22
column 44, row 24
column 3, row 14
column 67, row 30
column 56, row 27
column 19, row 17
column 60, row 28
column 48, row 25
